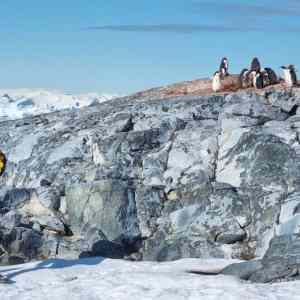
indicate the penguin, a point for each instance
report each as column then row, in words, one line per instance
column 272, row 77
column 216, row 81
column 290, row 77
column 251, row 78
column 266, row 79
column 224, row 67
column 2, row 163
column 258, row 80
column 244, row 78
column 255, row 65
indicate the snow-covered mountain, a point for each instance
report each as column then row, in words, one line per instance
column 106, row 279
column 17, row 103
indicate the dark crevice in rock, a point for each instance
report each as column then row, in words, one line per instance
column 201, row 118
column 68, row 231
column 293, row 111
column 296, row 209
column 215, row 163
column 129, row 126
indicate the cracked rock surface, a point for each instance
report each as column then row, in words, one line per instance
column 153, row 179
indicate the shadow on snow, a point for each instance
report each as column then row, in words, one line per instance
column 54, row 264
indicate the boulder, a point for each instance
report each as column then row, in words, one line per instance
column 281, row 261
column 107, row 205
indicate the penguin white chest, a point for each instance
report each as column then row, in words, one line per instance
column 288, row 77
column 216, row 83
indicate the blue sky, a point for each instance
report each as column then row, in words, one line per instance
column 122, row 46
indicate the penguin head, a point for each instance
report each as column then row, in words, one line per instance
column 255, row 64
column 217, row 74
column 244, row 73
column 255, row 60
column 258, row 74
column 224, row 59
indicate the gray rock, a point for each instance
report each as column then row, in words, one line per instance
column 106, row 205
column 214, row 176
column 52, row 223
column 22, row 242
column 14, row 219
column 106, row 249
column 281, row 261
column 243, row 270
column 149, row 205
column 15, row 198
column 49, row 196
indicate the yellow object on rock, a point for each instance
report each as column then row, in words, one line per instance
column 2, row 163
column 172, row 196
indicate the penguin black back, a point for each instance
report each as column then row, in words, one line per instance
column 293, row 74
column 243, row 78
column 224, row 67
column 273, row 79
column 259, row 81
column 255, row 65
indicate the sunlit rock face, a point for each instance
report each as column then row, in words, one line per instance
column 153, row 178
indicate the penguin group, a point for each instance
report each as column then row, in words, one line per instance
column 255, row 76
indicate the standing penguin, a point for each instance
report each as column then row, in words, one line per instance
column 290, row 76
column 251, row 78
column 266, row 79
column 243, row 78
column 258, row 81
column 216, row 81
column 272, row 77
column 255, row 65
column 224, row 67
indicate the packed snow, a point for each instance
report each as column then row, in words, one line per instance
column 106, row 279
column 18, row 103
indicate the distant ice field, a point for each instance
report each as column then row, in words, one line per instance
column 19, row 103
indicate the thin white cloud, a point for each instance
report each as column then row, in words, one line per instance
column 170, row 28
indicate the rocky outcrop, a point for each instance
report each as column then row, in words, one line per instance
column 281, row 262
column 154, row 179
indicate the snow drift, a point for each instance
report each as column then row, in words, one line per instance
column 97, row 278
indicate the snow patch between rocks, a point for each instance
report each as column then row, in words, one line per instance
column 96, row 278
